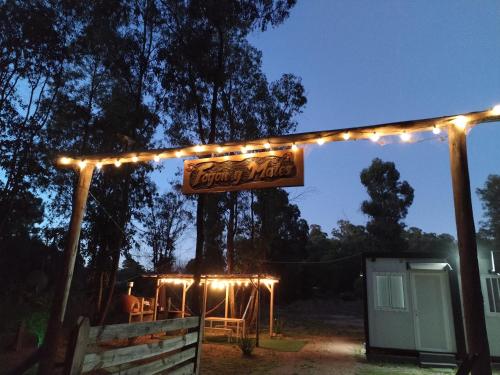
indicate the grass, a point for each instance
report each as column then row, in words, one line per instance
column 282, row 345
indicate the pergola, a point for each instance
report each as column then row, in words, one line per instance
column 456, row 125
column 219, row 282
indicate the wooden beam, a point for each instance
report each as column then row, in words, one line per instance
column 60, row 300
column 115, row 357
column 125, row 330
column 477, row 337
column 161, row 364
column 271, row 311
column 183, row 300
column 334, row 135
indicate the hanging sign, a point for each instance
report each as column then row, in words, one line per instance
column 242, row 172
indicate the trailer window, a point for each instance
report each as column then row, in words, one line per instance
column 493, row 290
column 390, row 291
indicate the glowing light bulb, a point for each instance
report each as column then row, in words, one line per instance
column 294, row 147
column 405, row 137
column 374, row 137
column 496, row 110
column 98, row 165
column 320, row 141
column 64, row 160
column 118, row 163
column 178, row 154
column 157, row 158
column 135, row 159
column 82, row 164
column 436, row 130
column 460, row 122
column 267, row 145
column 198, row 148
column 346, row 136
column 220, row 149
column 244, row 149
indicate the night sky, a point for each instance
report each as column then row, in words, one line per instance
column 369, row 62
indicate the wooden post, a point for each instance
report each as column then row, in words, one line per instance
column 257, row 323
column 477, row 338
column 155, row 302
column 201, row 327
column 63, row 285
column 271, row 310
column 77, row 347
column 226, row 307
column 183, row 300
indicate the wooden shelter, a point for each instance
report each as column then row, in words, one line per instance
column 222, row 282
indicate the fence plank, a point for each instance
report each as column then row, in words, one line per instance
column 159, row 365
column 126, row 330
column 184, row 370
column 114, row 357
column 78, row 347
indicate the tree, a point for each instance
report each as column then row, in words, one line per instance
column 388, row 205
column 210, row 75
column 490, row 197
column 166, row 219
column 420, row 241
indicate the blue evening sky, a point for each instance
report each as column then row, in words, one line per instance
column 368, row 62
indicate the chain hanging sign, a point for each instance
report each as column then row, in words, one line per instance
column 243, row 172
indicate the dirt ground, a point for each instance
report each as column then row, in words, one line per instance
column 334, row 334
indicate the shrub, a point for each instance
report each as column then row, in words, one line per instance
column 246, row 344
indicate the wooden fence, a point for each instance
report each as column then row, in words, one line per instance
column 86, row 352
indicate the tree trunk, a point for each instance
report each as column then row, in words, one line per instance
column 477, row 338
column 196, row 295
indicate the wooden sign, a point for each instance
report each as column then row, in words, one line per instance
column 242, row 172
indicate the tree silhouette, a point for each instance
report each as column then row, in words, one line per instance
column 388, row 205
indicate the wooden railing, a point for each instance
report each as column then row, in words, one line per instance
column 172, row 352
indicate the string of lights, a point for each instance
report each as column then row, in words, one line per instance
column 404, row 130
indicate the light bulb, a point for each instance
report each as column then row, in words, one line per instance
column 198, row 148
column 267, row 145
column 219, row 149
column 320, row 141
column 82, row 164
column 436, row 130
column 374, row 137
column 178, row 154
column 346, row 136
column 244, row 149
column 135, row 159
column 64, row 160
column 98, row 165
column 405, row 137
column 157, row 158
column 496, row 110
column 460, row 122
column 294, row 147
column 118, row 163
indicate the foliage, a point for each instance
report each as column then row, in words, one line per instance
column 37, row 323
column 166, row 219
column 246, row 343
column 389, row 201
column 490, row 197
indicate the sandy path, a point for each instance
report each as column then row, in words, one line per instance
column 321, row 355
